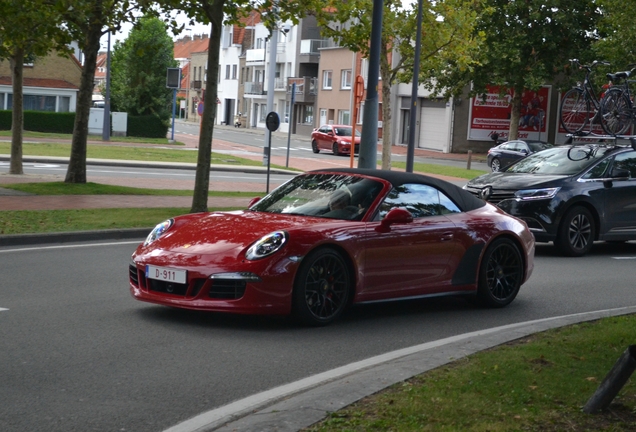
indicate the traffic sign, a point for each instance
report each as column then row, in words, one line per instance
column 200, row 108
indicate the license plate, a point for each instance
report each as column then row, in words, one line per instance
column 166, row 274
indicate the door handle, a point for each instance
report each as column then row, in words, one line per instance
column 447, row 237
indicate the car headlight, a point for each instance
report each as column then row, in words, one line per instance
column 536, row 194
column 158, row 231
column 266, row 245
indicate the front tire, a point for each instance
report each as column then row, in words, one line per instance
column 314, row 146
column 335, row 149
column 321, row 288
column 576, row 232
column 495, row 165
column 500, row 274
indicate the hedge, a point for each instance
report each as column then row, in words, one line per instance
column 54, row 122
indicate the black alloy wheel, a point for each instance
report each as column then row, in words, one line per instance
column 576, row 232
column 500, row 275
column 314, row 146
column 321, row 289
column 335, row 149
column 495, row 165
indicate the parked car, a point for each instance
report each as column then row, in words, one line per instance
column 570, row 195
column 505, row 154
column 335, row 138
column 330, row 238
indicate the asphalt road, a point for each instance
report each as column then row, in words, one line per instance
column 79, row 354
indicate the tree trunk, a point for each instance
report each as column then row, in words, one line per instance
column 76, row 172
column 515, row 112
column 202, row 177
column 385, row 73
column 17, row 111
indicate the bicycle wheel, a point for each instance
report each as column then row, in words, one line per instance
column 616, row 112
column 575, row 113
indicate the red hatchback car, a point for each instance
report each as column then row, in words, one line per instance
column 329, row 238
column 336, row 138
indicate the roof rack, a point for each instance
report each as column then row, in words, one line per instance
column 587, row 135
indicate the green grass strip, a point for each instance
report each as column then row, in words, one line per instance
column 539, row 383
column 42, row 221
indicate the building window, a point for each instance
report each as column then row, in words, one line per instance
column 234, row 69
column 326, row 80
column 259, row 43
column 345, row 82
column 308, row 114
column 65, row 104
column 344, row 117
column 227, row 71
column 263, row 112
column 2, row 101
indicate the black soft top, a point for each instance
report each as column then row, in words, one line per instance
column 464, row 200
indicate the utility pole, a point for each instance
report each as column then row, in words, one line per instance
column 271, row 78
column 368, row 157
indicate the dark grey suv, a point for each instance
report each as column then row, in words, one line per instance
column 571, row 195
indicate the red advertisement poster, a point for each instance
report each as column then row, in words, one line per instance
column 492, row 115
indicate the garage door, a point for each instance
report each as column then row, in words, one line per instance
column 434, row 128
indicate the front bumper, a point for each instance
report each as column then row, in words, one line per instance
column 539, row 215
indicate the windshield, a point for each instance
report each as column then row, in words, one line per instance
column 345, row 131
column 335, row 196
column 537, row 146
column 556, row 161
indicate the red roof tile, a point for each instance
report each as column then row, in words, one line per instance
column 41, row 82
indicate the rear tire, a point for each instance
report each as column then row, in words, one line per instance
column 500, row 274
column 322, row 287
column 574, row 111
column 576, row 232
column 314, row 146
column 616, row 112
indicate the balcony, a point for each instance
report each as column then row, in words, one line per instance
column 254, row 88
column 306, row 89
column 255, row 55
column 310, row 49
column 196, row 85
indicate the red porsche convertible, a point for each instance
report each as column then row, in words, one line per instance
column 330, row 238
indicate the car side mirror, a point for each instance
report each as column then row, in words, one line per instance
column 396, row 216
column 253, row 201
column 330, row 133
column 620, row 173
column 524, row 151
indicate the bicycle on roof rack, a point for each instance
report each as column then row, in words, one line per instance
column 617, row 107
column 580, row 105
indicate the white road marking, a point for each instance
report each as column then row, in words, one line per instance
column 623, row 258
column 3, row 309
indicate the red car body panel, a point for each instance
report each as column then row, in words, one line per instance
column 414, row 259
column 325, row 141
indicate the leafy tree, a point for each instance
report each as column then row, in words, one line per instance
column 138, row 70
column 216, row 13
column 617, row 31
column 87, row 21
column 33, row 31
column 527, row 43
column 446, row 28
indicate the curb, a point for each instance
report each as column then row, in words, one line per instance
column 74, row 236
